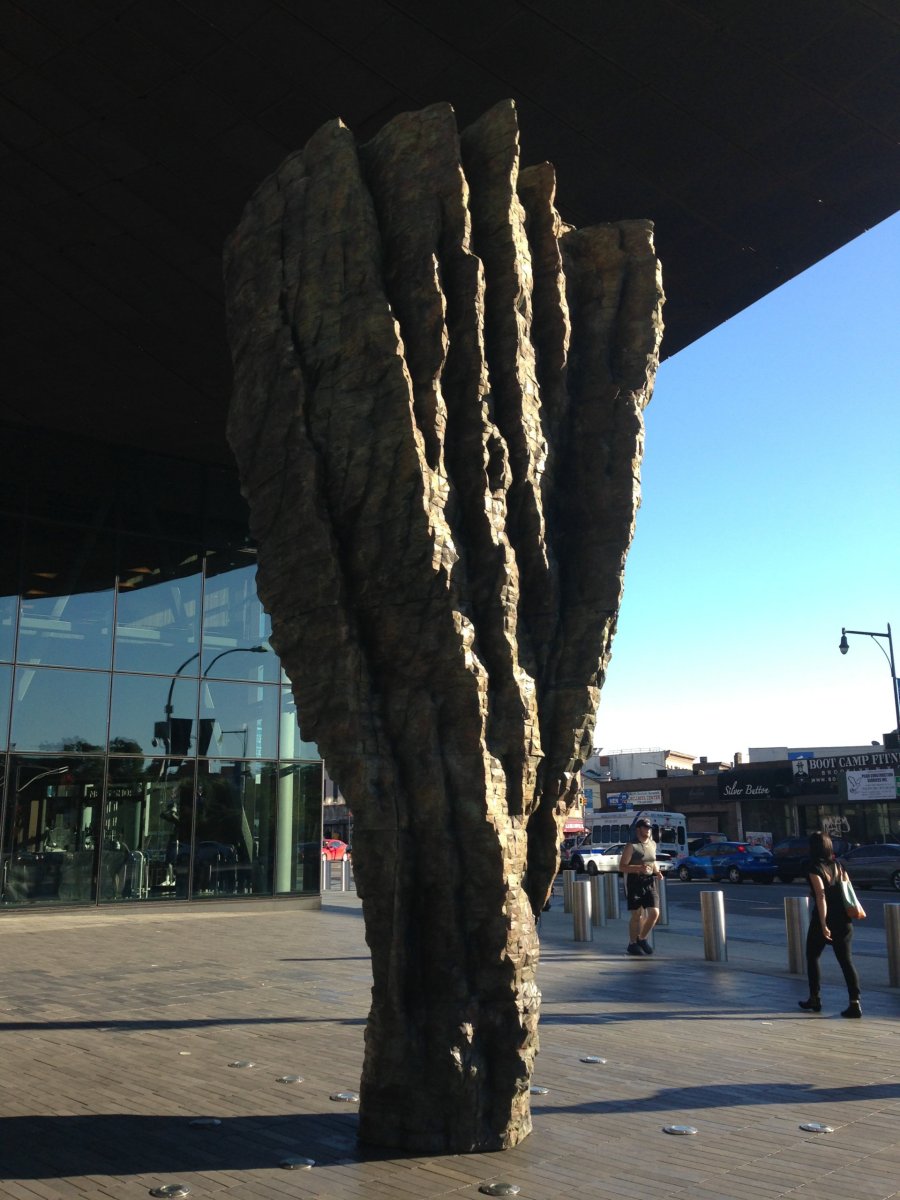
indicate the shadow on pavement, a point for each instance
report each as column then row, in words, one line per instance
column 732, row 1095
column 45, row 1147
column 154, row 1023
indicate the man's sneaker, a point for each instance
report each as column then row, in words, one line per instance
column 633, row 948
column 645, row 945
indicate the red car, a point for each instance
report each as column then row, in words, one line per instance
column 334, row 850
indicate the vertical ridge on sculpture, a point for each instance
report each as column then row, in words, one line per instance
column 414, row 419
column 403, row 655
column 610, row 271
column 430, row 251
column 490, row 149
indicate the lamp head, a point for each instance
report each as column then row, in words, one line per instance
column 843, row 645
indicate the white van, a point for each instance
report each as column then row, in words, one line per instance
column 669, row 830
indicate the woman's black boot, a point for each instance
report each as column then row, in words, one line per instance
column 813, row 1004
column 853, row 1009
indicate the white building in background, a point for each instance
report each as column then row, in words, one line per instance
column 636, row 764
column 759, row 754
column 632, row 764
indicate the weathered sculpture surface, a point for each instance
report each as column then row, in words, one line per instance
column 437, row 420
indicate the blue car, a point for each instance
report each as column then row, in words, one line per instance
column 733, row 861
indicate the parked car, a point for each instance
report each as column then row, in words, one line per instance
column 334, row 850
column 875, row 864
column 704, row 839
column 734, row 861
column 792, row 856
column 598, row 862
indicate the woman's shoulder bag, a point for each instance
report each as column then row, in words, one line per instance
column 852, row 905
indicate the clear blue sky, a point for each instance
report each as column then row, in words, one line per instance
column 770, row 519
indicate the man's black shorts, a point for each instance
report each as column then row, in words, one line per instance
column 641, row 892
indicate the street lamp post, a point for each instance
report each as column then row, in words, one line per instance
column 35, row 778
column 844, row 646
column 203, row 675
column 168, row 708
column 233, row 650
column 164, row 730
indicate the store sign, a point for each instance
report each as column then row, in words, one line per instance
column 629, row 800
column 734, row 788
column 871, row 760
column 871, row 785
column 827, row 775
column 754, row 783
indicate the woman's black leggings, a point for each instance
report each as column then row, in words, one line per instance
column 840, row 941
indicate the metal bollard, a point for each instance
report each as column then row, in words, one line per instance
column 611, row 887
column 581, row 904
column 568, row 881
column 663, row 901
column 796, row 922
column 598, row 901
column 712, row 910
column 345, row 875
column 892, row 934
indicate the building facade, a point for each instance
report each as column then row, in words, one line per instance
column 150, row 744
column 850, row 792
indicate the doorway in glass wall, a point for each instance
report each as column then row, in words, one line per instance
column 50, row 840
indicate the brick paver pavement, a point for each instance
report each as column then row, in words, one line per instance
column 117, row 1030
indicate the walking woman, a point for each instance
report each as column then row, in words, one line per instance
column 829, row 923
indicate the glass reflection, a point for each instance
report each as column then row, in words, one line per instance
column 8, row 608
column 298, row 828
column 5, row 689
column 59, row 710
column 10, row 539
column 147, row 829
column 67, row 631
column 180, row 752
column 140, row 720
column 238, row 719
column 234, row 620
column 234, row 828
column 216, row 666
column 291, row 743
column 67, row 601
column 158, row 613
column 50, row 837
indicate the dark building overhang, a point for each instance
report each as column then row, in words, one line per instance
column 759, row 136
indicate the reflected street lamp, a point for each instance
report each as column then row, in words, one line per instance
column 167, row 724
column 234, row 650
column 35, row 778
column 844, row 646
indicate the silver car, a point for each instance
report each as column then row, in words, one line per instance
column 876, row 864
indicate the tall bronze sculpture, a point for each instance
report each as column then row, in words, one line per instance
column 437, row 417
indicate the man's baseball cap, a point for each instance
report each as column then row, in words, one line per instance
column 643, row 821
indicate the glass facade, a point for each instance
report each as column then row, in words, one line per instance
column 150, row 744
